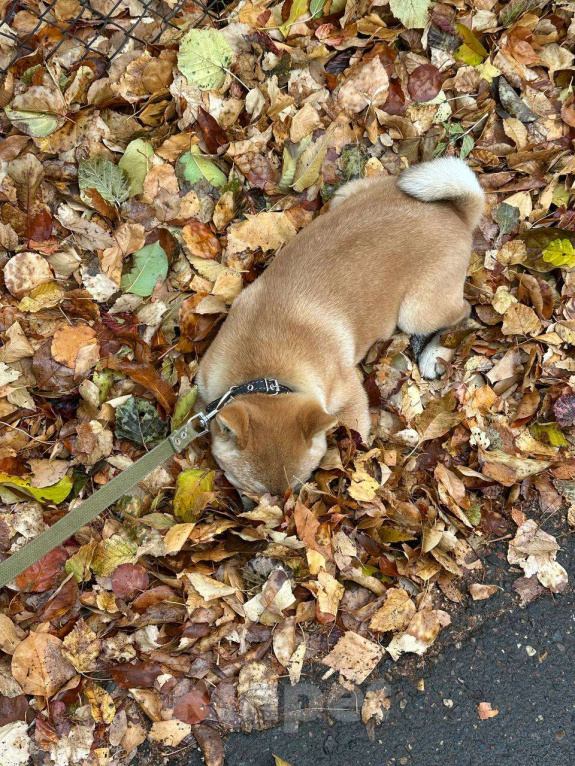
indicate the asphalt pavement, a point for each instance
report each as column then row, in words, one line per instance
column 519, row 660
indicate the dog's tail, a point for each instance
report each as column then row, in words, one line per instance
column 446, row 179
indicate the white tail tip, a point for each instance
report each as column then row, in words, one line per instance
column 448, row 179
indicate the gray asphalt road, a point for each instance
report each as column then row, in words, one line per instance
column 521, row 661
column 522, row 664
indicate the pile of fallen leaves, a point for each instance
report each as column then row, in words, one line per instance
column 138, row 196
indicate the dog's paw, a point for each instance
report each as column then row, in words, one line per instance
column 430, row 366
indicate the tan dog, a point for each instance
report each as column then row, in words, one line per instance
column 389, row 253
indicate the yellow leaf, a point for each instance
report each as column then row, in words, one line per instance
column 193, row 493
column 298, row 8
column 111, row 553
column 55, row 494
column 560, row 252
column 310, row 162
column 81, row 647
column 487, row 71
column 363, row 487
column 79, row 564
column 42, row 297
column 101, row 703
column 176, row 536
column 472, row 51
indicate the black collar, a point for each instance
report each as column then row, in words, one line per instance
column 261, row 386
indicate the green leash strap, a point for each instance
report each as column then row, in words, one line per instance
column 87, row 511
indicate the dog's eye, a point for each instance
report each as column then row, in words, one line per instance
column 225, row 430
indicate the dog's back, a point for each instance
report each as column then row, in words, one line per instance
column 379, row 258
column 390, row 252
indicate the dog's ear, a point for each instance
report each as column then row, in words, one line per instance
column 234, row 421
column 313, row 419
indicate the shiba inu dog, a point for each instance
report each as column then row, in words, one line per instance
column 390, row 253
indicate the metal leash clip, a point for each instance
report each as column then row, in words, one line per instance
column 186, row 433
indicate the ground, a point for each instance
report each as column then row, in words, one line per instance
column 517, row 659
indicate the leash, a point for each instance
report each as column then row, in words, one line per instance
column 89, row 509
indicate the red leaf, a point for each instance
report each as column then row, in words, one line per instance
column 61, row 603
column 213, row 134
column 43, row 575
column 192, row 707
column 129, row 579
column 135, row 675
column 564, row 409
column 211, row 744
column 147, row 376
column 395, row 103
column 39, row 226
column 424, row 83
column 151, row 597
column 13, row 709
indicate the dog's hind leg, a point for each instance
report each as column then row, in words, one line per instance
column 425, row 320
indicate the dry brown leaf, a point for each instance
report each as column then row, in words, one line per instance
column 396, row 613
column 268, row 231
column 69, row 341
column 354, row 656
column 479, row 591
column 39, row 665
column 486, row 711
column 26, row 271
column 521, row 320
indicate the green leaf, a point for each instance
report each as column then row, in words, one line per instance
column 104, row 380
column 138, row 421
column 136, row 162
column 149, row 264
column 413, row 14
column 439, row 149
column 512, row 10
column 112, row 552
column 204, row 56
column 316, row 8
column 561, row 196
column 474, row 515
column 36, row 124
column 310, row 162
column 158, row 520
column 78, row 565
column 467, row 145
column 184, row 407
column 193, row 493
column 108, row 179
column 353, row 161
column 194, row 166
column 57, row 493
column 298, row 8
column 560, row 252
column 507, row 217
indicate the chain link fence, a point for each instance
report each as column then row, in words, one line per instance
column 71, row 31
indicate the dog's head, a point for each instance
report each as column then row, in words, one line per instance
column 270, row 443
